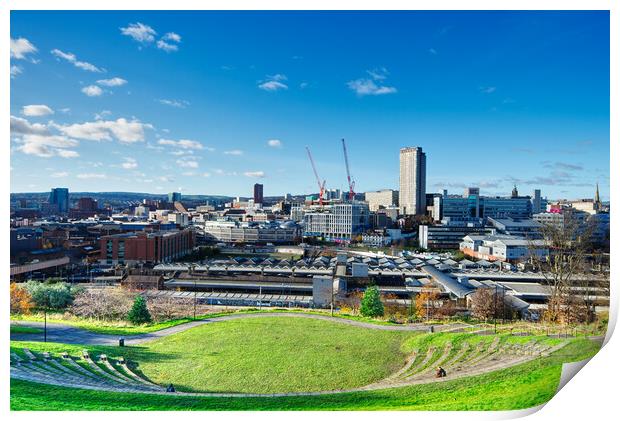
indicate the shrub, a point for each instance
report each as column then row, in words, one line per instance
column 56, row 295
column 371, row 305
column 21, row 301
column 139, row 312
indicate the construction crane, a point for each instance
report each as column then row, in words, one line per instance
column 320, row 183
column 351, row 182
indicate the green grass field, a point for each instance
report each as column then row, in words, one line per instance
column 25, row 329
column 268, row 355
column 262, row 355
column 518, row 387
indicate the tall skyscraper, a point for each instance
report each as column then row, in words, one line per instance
column 258, row 193
column 412, row 193
column 60, row 196
column 174, row 197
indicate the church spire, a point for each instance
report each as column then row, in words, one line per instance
column 597, row 197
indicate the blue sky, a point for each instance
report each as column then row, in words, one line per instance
column 212, row 102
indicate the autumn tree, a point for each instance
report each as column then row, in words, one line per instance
column 427, row 302
column 21, row 301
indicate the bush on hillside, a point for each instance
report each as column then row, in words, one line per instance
column 371, row 305
column 55, row 295
column 139, row 313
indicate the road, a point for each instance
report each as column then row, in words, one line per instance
column 58, row 332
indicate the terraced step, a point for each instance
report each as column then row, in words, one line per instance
column 422, row 364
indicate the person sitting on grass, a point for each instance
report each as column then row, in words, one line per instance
column 440, row 372
column 170, row 388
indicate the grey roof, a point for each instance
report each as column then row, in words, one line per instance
column 449, row 283
column 527, row 288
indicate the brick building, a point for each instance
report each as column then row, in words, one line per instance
column 146, row 247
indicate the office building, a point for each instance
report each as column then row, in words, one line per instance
column 381, row 199
column 59, row 197
column 337, row 222
column 174, row 197
column 449, row 234
column 258, row 193
column 412, row 193
column 145, row 247
column 476, row 206
column 237, row 232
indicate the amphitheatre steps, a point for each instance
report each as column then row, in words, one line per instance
column 65, row 371
column 460, row 360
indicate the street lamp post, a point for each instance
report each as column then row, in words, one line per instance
column 495, row 309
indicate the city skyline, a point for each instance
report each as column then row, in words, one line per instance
column 211, row 103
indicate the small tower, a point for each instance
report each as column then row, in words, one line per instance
column 597, row 199
column 515, row 192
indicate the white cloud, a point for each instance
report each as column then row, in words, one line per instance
column 21, row 47
column 102, row 114
column 235, row 152
column 272, row 86
column 273, row 83
column 254, row 174
column 91, row 176
column 65, row 153
column 59, row 174
column 274, row 143
column 167, row 47
column 139, row 32
column 187, row 163
column 21, row 126
column 364, row 87
column 92, row 90
column 115, row 81
column 171, row 36
column 71, row 58
column 130, row 164
column 177, row 103
column 206, row 174
column 36, row 139
column 374, row 85
column 378, row 74
column 121, row 129
column 36, row 110
column 15, row 70
column 488, row 89
column 183, row 143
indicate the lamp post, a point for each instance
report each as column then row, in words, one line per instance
column 45, row 318
column 495, row 309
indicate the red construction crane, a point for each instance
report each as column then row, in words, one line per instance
column 320, row 183
column 351, row 182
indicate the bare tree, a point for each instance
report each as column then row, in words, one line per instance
column 568, row 242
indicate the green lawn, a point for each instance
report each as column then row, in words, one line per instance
column 263, row 355
column 25, row 329
column 517, row 387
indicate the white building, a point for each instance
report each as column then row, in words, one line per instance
column 381, row 198
column 504, row 248
column 412, row 193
